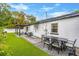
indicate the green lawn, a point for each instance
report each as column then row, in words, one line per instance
column 22, row 47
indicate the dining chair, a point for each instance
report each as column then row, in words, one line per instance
column 71, row 48
column 46, row 41
column 56, row 44
column 63, row 45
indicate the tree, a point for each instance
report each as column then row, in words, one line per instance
column 4, row 13
column 31, row 19
column 76, row 11
column 19, row 18
column 10, row 18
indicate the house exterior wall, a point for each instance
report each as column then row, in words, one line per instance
column 24, row 29
column 37, row 32
column 67, row 28
column 41, row 30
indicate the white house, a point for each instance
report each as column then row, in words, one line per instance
column 65, row 26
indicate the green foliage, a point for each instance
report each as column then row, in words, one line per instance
column 1, row 35
column 21, row 20
column 76, row 11
column 31, row 18
column 10, row 18
column 4, row 13
column 4, row 48
column 19, row 17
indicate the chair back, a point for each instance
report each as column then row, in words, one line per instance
column 72, row 51
column 56, row 41
column 74, row 42
column 46, row 39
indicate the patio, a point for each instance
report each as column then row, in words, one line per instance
column 37, row 42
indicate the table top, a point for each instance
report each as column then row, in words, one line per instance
column 58, row 38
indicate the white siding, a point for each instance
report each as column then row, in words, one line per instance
column 24, row 29
column 67, row 28
column 39, row 31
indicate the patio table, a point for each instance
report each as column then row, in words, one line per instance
column 60, row 46
column 58, row 38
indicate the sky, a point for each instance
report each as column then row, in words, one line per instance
column 39, row 10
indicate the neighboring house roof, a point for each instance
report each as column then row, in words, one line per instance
column 60, row 17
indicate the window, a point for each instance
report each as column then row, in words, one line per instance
column 54, row 28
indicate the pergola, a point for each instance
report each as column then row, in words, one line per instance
column 18, row 28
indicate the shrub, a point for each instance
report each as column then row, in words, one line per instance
column 4, row 48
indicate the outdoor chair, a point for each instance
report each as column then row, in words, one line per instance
column 30, row 34
column 71, row 48
column 72, row 51
column 56, row 44
column 46, row 41
column 63, row 45
column 25, row 33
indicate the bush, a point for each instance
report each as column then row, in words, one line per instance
column 4, row 48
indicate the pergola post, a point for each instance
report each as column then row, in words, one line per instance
column 16, row 30
column 19, row 31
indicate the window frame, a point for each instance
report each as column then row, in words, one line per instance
column 54, row 28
